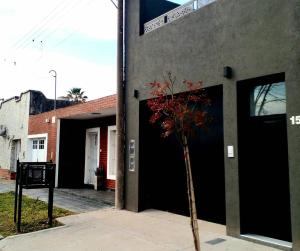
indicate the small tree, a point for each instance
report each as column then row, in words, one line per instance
column 76, row 95
column 181, row 114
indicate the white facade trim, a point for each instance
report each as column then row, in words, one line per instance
column 57, row 152
column 42, row 135
column 91, row 130
column 109, row 129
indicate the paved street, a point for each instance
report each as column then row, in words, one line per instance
column 76, row 200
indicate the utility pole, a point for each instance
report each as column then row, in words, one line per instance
column 120, row 120
column 55, row 78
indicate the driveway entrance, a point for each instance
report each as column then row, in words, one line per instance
column 75, row 200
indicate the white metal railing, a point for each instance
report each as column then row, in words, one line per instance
column 174, row 14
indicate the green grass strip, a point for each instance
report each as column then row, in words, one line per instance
column 34, row 215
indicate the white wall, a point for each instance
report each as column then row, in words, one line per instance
column 14, row 114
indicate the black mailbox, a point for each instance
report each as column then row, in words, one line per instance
column 31, row 175
column 37, row 175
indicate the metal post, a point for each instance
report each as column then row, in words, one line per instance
column 55, row 78
column 20, row 201
column 51, row 193
column 16, row 191
column 119, row 199
column 50, row 206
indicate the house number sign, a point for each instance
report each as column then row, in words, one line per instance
column 295, row 120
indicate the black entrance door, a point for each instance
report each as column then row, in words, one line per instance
column 263, row 158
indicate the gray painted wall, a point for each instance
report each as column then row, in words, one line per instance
column 255, row 38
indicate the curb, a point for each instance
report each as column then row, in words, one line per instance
column 33, row 233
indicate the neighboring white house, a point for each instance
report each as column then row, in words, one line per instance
column 14, row 118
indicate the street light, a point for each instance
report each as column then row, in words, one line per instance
column 55, row 77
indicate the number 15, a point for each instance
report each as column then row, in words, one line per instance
column 295, row 120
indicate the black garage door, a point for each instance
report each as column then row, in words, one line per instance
column 162, row 170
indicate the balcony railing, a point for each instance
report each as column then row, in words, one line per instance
column 174, row 14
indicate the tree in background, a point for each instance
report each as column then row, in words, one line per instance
column 181, row 114
column 76, row 95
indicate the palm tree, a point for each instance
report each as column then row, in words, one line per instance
column 76, row 95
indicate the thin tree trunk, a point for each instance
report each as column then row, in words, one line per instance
column 191, row 195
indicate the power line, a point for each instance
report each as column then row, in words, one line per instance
column 28, row 34
column 46, row 36
column 114, row 3
column 56, row 16
column 41, row 27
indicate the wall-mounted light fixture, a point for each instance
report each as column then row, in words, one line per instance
column 227, row 72
column 135, row 93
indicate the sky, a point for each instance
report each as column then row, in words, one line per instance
column 76, row 38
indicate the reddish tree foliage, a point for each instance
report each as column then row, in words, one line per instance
column 178, row 113
column 181, row 114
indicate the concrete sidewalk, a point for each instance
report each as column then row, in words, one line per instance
column 6, row 185
column 112, row 230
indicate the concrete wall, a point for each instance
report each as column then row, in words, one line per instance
column 151, row 9
column 255, row 38
column 14, row 114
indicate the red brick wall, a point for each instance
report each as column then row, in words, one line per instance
column 96, row 105
column 38, row 125
column 103, row 155
column 4, row 173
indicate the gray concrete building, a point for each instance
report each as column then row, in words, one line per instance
column 247, row 169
